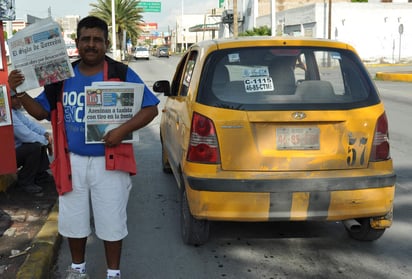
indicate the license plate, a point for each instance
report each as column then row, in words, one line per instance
column 297, row 138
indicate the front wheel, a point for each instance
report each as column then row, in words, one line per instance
column 194, row 231
column 365, row 232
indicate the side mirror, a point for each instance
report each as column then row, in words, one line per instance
column 162, row 86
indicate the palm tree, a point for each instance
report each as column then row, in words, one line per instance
column 128, row 18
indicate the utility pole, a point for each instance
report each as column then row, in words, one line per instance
column 330, row 20
column 273, row 17
column 235, row 22
column 115, row 54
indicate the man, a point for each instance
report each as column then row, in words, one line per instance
column 96, row 172
column 31, row 142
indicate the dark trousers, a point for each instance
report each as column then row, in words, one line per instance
column 33, row 159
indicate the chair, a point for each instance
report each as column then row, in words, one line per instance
column 283, row 75
column 316, row 91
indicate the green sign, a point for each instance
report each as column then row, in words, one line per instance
column 221, row 3
column 150, row 7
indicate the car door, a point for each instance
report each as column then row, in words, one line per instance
column 176, row 116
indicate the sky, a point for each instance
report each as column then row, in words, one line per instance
column 165, row 19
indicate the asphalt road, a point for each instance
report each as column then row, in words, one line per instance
column 153, row 248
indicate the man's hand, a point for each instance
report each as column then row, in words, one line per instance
column 50, row 144
column 16, row 78
column 113, row 137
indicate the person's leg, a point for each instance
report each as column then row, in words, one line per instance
column 77, row 249
column 109, row 194
column 43, row 177
column 44, row 163
column 27, row 156
column 74, row 213
column 113, row 251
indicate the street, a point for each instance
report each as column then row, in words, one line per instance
column 154, row 249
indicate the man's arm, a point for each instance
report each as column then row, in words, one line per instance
column 23, row 132
column 32, row 107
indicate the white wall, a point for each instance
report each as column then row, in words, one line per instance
column 372, row 28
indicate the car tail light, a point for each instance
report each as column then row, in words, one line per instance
column 203, row 145
column 380, row 145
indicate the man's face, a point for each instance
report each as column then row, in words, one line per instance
column 92, row 45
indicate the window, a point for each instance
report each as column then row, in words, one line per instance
column 285, row 78
column 187, row 76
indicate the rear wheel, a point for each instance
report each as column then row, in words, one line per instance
column 194, row 231
column 366, row 232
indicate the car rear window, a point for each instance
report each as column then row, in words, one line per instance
column 285, row 78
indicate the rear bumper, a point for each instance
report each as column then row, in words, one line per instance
column 292, row 199
column 291, row 184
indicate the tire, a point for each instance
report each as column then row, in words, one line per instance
column 366, row 232
column 165, row 162
column 194, row 232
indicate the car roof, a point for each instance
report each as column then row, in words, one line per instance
column 272, row 41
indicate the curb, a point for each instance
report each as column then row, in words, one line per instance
column 399, row 76
column 41, row 257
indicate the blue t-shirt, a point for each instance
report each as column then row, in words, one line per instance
column 74, row 105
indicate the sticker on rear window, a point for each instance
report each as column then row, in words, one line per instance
column 336, row 55
column 258, row 84
column 233, row 57
column 256, row 72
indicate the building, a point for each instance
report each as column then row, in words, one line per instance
column 385, row 36
column 68, row 25
column 379, row 31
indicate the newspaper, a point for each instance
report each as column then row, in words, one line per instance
column 40, row 53
column 5, row 118
column 108, row 105
column 7, row 10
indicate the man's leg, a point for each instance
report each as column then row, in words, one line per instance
column 28, row 156
column 77, row 249
column 42, row 176
column 113, row 251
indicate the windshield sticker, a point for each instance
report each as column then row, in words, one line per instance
column 256, row 72
column 258, row 84
column 233, row 57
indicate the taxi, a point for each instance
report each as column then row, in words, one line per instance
column 262, row 129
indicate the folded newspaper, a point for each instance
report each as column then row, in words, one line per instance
column 109, row 104
column 40, row 53
column 5, row 118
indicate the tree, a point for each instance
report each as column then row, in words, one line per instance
column 257, row 31
column 128, row 18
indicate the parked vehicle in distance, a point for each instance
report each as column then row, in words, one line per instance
column 162, row 52
column 72, row 51
column 141, row 53
column 277, row 129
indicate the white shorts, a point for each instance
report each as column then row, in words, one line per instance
column 94, row 187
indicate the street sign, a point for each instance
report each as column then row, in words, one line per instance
column 150, row 7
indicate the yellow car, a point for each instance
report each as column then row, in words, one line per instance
column 274, row 129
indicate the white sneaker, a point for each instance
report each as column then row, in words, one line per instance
column 76, row 274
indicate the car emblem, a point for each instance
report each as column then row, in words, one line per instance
column 298, row 115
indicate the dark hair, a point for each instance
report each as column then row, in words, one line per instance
column 93, row 22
